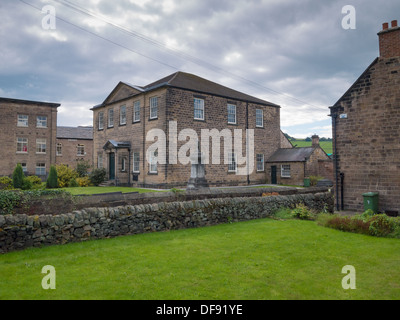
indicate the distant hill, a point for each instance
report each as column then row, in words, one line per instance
column 325, row 145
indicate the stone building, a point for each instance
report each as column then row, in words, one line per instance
column 176, row 111
column 28, row 133
column 292, row 165
column 366, row 131
column 74, row 144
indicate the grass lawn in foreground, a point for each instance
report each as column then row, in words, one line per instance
column 97, row 190
column 260, row 259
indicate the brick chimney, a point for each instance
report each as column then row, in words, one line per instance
column 315, row 141
column 389, row 40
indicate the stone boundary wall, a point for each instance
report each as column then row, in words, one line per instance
column 23, row 231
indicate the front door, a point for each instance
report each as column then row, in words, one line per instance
column 274, row 179
column 111, row 165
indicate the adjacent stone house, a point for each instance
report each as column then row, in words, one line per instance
column 177, row 108
column 366, row 131
column 74, row 144
column 28, row 134
column 292, row 165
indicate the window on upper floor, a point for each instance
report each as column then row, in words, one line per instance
column 122, row 115
column 136, row 111
column 110, row 118
column 154, row 108
column 101, row 120
column 231, row 114
column 41, row 122
column 198, row 109
column 259, row 118
column 22, row 120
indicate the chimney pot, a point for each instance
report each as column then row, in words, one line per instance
column 385, row 26
column 315, row 140
column 394, row 23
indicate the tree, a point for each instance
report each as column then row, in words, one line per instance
column 52, row 180
column 18, row 177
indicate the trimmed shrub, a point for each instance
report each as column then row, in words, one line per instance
column 82, row 168
column 64, row 175
column 98, row 176
column 18, row 177
column 35, row 181
column 83, row 182
column 52, row 180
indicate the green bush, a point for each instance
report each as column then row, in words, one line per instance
column 35, row 181
column 6, row 183
column 8, row 201
column 64, row 175
column 18, row 177
column 82, row 168
column 52, row 180
column 98, row 176
column 379, row 225
column 382, row 225
column 302, row 212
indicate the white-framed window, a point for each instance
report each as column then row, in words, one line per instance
column 136, row 162
column 59, row 149
column 100, row 161
column 123, row 164
column 80, row 150
column 154, row 108
column 260, row 162
column 232, row 162
column 40, row 169
column 259, row 118
column 22, row 145
column 231, row 114
column 111, row 118
column 22, row 120
column 136, row 111
column 24, row 167
column 122, row 115
column 41, row 122
column 41, row 145
column 101, row 120
column 285, row 171
column 153, row 162
column 198, row 109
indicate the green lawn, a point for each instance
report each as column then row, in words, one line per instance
column 325, row 145
column 261, row 259
column 97, row 190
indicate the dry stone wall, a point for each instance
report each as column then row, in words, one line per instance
column 23, row 231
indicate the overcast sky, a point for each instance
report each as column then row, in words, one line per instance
column 294, row 53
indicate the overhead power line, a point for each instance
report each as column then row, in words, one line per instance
column 162, row 46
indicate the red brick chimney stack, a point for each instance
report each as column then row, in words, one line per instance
column 389, row 40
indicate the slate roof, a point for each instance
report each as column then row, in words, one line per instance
column 187, row 81
column 29, row 102
column 292, row 155
column 80, row 133
column 191, row 82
